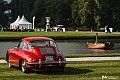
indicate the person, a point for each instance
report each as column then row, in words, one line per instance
column 74, row 28
column 107, row 28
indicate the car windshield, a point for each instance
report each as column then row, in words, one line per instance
column 42, row 43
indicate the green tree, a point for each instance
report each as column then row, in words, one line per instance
column 59, row 11
column 27, row 8
column 109, row 13
column 75, row 15
column 116, row 15
column 3, row 7
column 84, row 13
column 38, row 11
column 14, row 9
column 21, row 7
column 63, row 13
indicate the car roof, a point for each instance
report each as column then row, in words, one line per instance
column 28, row 39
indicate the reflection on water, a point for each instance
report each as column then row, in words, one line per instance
column 68, row 47
column 75, row 48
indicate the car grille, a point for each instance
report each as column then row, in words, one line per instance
column 47, row 50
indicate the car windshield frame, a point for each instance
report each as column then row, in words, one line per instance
column 34, row 43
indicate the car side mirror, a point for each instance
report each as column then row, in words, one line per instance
column 15, row 47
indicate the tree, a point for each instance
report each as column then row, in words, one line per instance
column 27, row 8
column 38, row 11
column 84, row 12
column 116, row 15
column 3, row 7
column 109, row 13
column 14, row 9
column 75, row 15
column 59, row 11
column 21, row 7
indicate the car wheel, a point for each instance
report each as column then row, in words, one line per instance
column 62, row 70
column 23, row 66
column 9, row 64
column 48, row 30
column 60, row 30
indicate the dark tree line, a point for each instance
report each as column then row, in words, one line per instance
column 21, row 7
column 96, row 13
column 3, row 7
column 90, row 14
column 59, row 11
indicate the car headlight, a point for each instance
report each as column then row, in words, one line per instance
column 34, row 60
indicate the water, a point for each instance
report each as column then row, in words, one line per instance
column 68, row 46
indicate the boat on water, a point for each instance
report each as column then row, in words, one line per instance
column 96, row 45
column 107, row 45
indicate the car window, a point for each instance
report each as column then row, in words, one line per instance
column 42, row 43
column 22, row 45
column 52, row 43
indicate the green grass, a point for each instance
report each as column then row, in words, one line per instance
column 53, row 34
column 92, row 70
column 91, row 55
column 85, row 55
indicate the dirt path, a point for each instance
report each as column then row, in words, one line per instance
column 92, row 58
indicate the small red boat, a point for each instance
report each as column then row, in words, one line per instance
column 96, row 45
column 106, row 45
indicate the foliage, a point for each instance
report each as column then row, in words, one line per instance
column 88, row 14
column 38, row 10
column 96, row 13
column 60, row 12
column 21, row 7
column 3, row 7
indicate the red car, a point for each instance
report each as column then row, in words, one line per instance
column 36, row 53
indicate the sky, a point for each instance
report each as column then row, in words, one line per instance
column 8, row 0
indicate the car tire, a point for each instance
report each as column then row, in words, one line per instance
column 62, row 70
column 9, row 64
column 60, row 30
column 48, row 30
column 23, row 67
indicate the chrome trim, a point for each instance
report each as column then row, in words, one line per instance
column 40, row 61
column 34, row 63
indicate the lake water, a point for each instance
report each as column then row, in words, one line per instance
column 69, row 46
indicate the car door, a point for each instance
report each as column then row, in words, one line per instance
column 22, row 46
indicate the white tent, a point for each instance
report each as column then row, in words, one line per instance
column 24, row 24
column 15, row 24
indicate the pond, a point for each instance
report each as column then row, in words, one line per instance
column 69, row 46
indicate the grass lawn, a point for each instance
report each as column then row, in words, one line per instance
column 53, row 34
column 85, row 55
column 91, row 70
column 91, row 55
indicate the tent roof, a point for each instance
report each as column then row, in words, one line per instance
column 23, row 21
column 17, row 20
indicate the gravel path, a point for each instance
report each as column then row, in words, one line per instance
column 83, row 59
column 92, row 58
column 3, row 61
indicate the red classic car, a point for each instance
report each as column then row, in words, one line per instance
column 36, row 53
